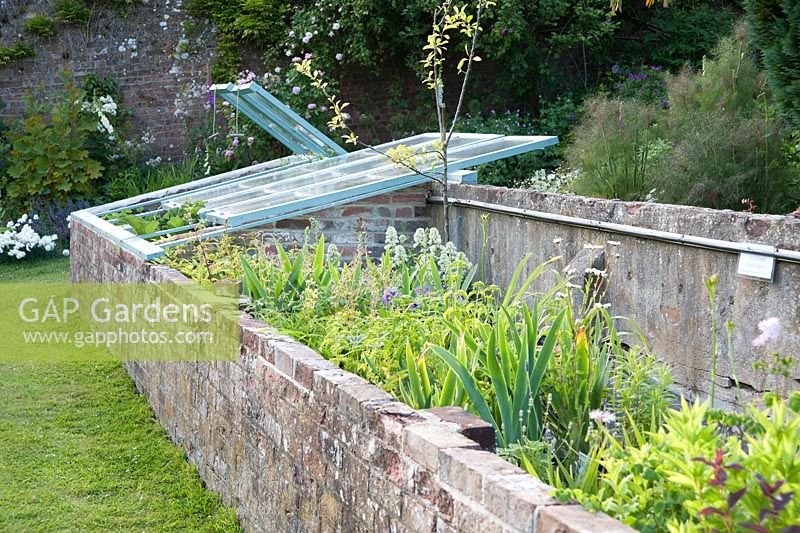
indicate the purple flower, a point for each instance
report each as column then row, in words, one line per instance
column 210, row 95
column 770, row 330
column 504, row 32
column 228, row 153
column 312, row 105
column 308, row 55
column 295, row 90
column 235, row 142
column 296, row 59
column 250, row 141
column 389, row 293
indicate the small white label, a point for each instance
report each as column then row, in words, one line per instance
column 756, row 266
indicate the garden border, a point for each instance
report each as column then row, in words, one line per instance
column 295, row 443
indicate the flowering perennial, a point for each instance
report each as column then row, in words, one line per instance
column 19, row 238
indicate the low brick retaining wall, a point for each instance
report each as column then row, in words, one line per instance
column 297, row 444
column 659, row 285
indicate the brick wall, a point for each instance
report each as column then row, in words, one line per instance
column 161, row 58
column 162, row 79
column 297, row 444
column 365, row 220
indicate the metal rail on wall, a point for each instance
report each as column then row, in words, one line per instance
column 790, row 256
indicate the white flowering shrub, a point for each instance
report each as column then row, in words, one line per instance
column 557, row 181
column 102, row 107
column 18, row 239
column 397, row 253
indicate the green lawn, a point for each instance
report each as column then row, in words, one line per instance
column 38, row 270
column 79, row 449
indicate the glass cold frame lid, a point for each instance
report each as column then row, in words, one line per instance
column 357, row 163
column 356, row 175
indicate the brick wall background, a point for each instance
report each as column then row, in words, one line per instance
column 162, row 78
column 297, row 444
column 161, row 58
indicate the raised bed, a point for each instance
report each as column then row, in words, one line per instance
column 295, row 443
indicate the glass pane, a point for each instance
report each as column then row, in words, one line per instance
column 265, row 201
column 352, row 163
column 316, row 190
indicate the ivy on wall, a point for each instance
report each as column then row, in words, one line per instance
column 43, row 25
column 18, row 50
column 259, row 22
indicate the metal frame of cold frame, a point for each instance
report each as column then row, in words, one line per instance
column 790, row 256
column 471, row 150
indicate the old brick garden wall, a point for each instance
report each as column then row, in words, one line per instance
column 297, row 444
column 161, row 58
column 161, row 66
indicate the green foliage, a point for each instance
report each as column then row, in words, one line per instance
column 556, row 118
column 135, row 180
column 119, row 5
column 48, row 155
column 360, row 314
column 72, row 12
column 94, row 86
column 19, row 50
column 530, row 39
column 104, row 146
column 177, row 217
column 691, row 475
column 415, row 324
column 261, row 22
column 645, row 83
column 683, row 32
column 510, row 355
column 719, row 144
column 728, row 139
column 616, row 149
column 40, row 26
column 4, row 146
column 776, row 31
